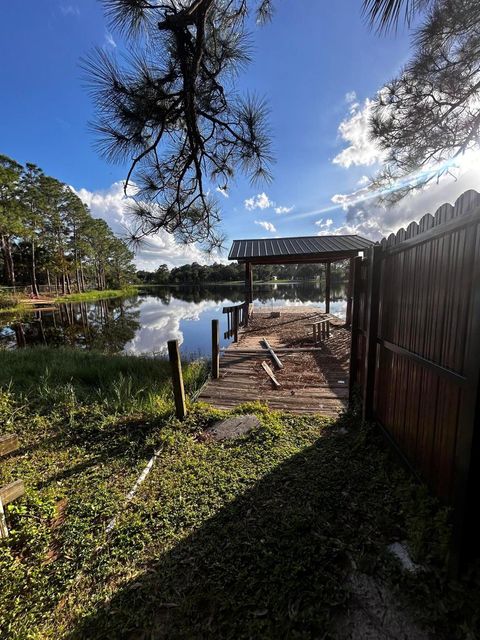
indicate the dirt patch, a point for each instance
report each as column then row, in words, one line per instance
column 375, row 614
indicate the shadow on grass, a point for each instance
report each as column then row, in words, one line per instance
column 274, row 563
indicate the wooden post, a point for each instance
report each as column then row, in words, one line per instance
column 327, row 287
column 348, row 317
column 355, row 320
column 215, row 349
column 3, row 522
column 177, row 379
column 248, row 282
column 374, row 257
column 235, row 324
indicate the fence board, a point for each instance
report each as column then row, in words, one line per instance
column 426, row 356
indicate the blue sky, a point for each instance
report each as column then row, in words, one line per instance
column 307, row 63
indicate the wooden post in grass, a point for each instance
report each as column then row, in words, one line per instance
column 9, row 493
column 3, row 522
column 215, row 349
column 177, row 379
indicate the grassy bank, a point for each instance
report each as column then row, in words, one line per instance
column 123, row 382
column 11, row 304
column 252, row 538
column 98, row 295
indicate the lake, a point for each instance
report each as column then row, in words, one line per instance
column 143, row 323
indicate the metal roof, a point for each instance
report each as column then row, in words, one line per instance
column 306, row 247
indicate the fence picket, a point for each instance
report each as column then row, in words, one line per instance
column 421, row 363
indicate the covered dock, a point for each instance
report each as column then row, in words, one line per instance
column 308, row 371
column 301, row 250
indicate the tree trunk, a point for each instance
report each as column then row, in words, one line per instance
column 82, row 275
column 77, row 279
column 34, row 270
column 8, row 266
column 20, row 335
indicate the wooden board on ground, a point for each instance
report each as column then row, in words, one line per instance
column 10, row 492
column 8, row 443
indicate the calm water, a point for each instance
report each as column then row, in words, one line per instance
column 143, row 324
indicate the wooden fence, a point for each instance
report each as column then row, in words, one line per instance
column 237, row 316
column 416, row 348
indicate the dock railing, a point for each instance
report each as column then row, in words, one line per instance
column 237, row 316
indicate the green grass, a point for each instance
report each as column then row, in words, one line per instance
column 251, row 538
column 98, row 295
column 122, row 381
column 10, row 303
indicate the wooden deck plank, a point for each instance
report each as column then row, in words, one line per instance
column 311, row 381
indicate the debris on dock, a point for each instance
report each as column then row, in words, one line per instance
column 313, row 380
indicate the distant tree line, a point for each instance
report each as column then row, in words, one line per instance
column 197, row 273
column 48, row 236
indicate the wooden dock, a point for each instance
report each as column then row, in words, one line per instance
column 313, row 379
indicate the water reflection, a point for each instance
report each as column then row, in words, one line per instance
column 143, row 324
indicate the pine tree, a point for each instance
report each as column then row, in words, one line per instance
column 174, row 110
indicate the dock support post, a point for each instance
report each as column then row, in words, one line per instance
column 327, row 286
column 348, row 316
column 177, row 379
column 235, row 324
column 215, row 349
column 248, row 282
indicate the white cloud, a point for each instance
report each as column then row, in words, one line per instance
column 156, row 329
column 268, row 226
column 283, row 209
column 69, row 9
column 111, row 205
column 350, row 96
column 364, row 216
column 355, row 131
column 324, row 224
column 109, row 41
column 224, row 192
column 260, row 201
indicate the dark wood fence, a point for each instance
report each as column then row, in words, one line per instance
column 416, row 346
column 237, row 316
